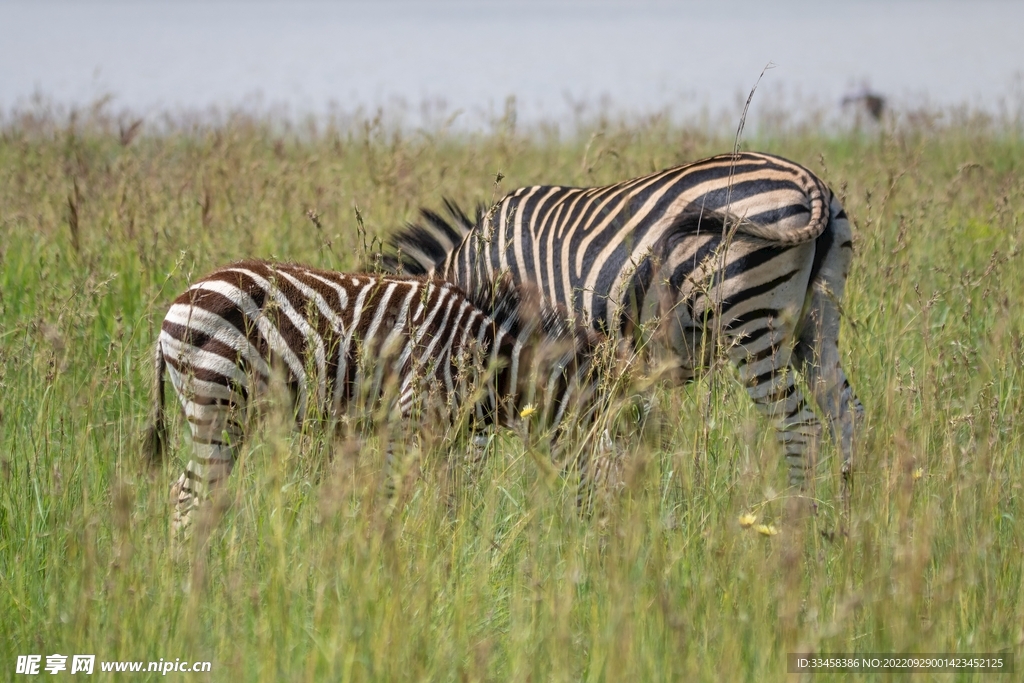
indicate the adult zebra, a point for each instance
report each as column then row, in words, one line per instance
column 342, row 341
column 745, row 252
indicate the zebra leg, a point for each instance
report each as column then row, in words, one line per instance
column 598, row 465
column 396, row 469
column 817, row 348
column 476, row 453
column 818, row 361
column 209, row 411
column 212, row 464
column 771, row 384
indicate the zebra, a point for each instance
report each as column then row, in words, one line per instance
column 746, row 252
column 342, row 340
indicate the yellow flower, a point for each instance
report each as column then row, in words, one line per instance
column 747, row 520
column 528, row 410
column 918, row 473
column 766, row 529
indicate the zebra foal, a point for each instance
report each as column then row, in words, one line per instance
column 343, row 340
column 743, row 252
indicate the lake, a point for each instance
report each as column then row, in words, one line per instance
column 434, row 61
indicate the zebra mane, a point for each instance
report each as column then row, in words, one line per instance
column 420, row 247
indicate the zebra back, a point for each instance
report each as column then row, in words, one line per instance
column 761, row 194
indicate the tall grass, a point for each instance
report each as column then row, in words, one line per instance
column 491, row 574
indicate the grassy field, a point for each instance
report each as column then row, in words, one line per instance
column 492, row 575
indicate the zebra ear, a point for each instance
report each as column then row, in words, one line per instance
column 516, row 307
column 502, row 299
column 527, row 294
column 558, row 323
column 483, row 295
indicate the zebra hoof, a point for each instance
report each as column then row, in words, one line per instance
column 181, row 523
column 835, row 535
column 176, row 489
column 183, row 503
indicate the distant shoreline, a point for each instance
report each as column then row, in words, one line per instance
column 432, row 62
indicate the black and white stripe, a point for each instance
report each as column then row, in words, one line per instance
column 743, row 252
column 340, row 341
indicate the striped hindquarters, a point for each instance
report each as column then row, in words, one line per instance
column 335, row 339
column 754, row 250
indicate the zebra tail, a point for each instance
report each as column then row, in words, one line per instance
column 154, row 440
column 818, row 197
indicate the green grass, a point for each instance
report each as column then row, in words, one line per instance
column 308, row 575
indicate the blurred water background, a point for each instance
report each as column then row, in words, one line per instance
column 467, row 64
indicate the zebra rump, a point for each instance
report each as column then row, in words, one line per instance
column 745, row 254
column 388, row 344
